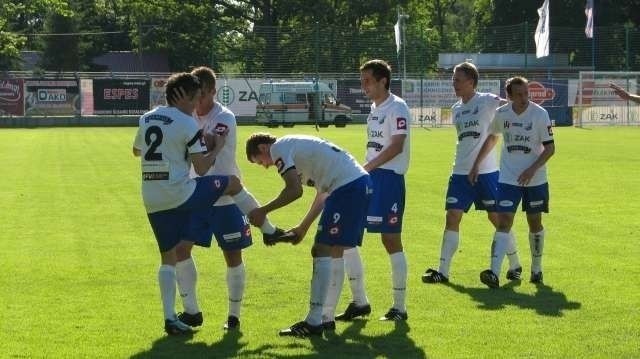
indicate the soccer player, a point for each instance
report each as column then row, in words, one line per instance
column 387, row 160
column 224, row 219
column 342, row 194
column 527, row 146
column 625, row 95
column 169, row 142
column 472, row 116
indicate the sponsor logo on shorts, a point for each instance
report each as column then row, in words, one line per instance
column 488, row 202
column 393, row 219
column 247, row 232
column 217, row 183
column 452, row 200
column 334, row 231
column 533, row 204
column 506, row 203
column 374, row 219
column 231, row 237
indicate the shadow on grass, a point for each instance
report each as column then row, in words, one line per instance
column 350, row 343
column 544, row 301
column 179, row 347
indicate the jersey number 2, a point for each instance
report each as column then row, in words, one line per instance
column 153, row 143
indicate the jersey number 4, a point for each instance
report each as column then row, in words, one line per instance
column 153, row 138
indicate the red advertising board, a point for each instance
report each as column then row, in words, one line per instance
column 12, row 97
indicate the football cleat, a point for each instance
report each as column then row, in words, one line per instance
column 394, row 315
column 232, row 323
column 176, row 327
column 514, row 274
column 433, row 276
column 536, row 277
column 489, row 278
column 329, row 325
column 192, row 320
column 302, row 329
column 278, row 236
column 354, row 311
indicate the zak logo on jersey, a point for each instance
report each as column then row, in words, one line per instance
column 401, row 123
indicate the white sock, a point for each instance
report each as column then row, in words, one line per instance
column 498, row 250
column 319, row 285
column 187, row 277
column 335, row 288
column 536, row 244
column 247, row 202
column 355, row 273
column 399, row 278
column 512, row 252
column 450, row 240
column 235, row 287
column 167, row 282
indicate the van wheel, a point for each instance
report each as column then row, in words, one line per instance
column 323, row 125
column 340, row 121
column 287, row 124
column 272, row 124
column 341, row 124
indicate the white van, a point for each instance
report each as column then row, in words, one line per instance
column 289, row 103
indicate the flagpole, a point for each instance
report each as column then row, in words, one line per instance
column 593, row 38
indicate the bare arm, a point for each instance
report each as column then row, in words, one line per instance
column 526, row 175
column 291, row 192
column 314, row 211
column 487, row 146
column 136, row 152
column 624, row 94
column 386, row 155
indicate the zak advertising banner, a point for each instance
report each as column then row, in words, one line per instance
column 51, row 97
column 350, row 93
column 239, row 95
column 120, row 97
column 11, row 97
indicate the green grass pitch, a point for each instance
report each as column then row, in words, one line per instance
column 79, row 262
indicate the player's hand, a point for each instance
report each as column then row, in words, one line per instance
column 257, row 216
column 215, row 140
column 526, row 176
column 620, row 91
column 299, row 232
column 473, row 175
column 178, row 94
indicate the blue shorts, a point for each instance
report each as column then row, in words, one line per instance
column 343, row 218
column 227, row 223
column 386, row 207
column 172, row 225
column 461, row 193
column 534, row 199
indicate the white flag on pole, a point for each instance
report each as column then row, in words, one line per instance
column 396, row 29
column 542, row 31
column 588, row 11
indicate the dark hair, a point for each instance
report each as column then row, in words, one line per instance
column 516, row 80
column 187, row 82
column 379, row 69
column 257, row 139
column 206, row 76
column 469, row 70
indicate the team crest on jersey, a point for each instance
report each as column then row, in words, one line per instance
column 528, row 126
column 393, row 219
column 475, row 111
column 550, row 130
column 401, row 123
column 279, row 164
column 220, row 128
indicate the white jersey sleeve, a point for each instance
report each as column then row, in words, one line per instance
column 391, row 118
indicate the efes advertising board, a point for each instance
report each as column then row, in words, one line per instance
column 120, row 97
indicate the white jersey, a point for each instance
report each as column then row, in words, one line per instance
column 523, row 140
column 392, row 117
column 220, row 119
column 473, row 121
column 165, row 137
column 319, row 163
